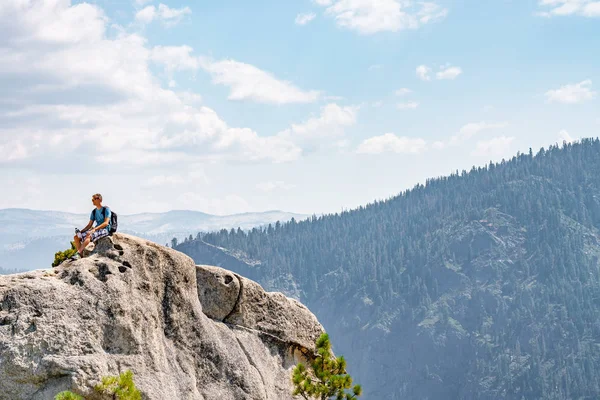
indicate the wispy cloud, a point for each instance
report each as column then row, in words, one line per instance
column 175, row 58
column 557, row 8
column 245, row 81
column 317, row 131
column 402, row 92
column 411, row 105
column 423, row 72
column 392, row 143
column 168, row 16
column 248, row 82
column 563, row 135
column 372, row 16
column 445, row 72
column 497, row 146
column 473, row 128
column 448, row 73
column 303, row 19
column 572, row 94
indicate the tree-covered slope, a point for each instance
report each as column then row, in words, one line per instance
column 480, row 285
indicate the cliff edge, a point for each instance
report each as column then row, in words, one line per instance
column 186, row 331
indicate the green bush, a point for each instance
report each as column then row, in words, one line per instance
column 119, row 387
column 61, row 256
column 66, row 395
column 326, row 376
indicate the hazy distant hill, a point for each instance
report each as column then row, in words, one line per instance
column 480, row 285
column 29, row 238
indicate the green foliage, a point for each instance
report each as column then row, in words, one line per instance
column 119, row 387
column 326, row 378
column 61, row 256
column 68, row 396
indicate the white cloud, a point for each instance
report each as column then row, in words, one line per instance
column 169, row 16
column 445, row 72
column 246, row 81
column 448, row 73
column 391, row 143
column 563, row 135
column 94, row 99
column 377, row 104
column 342, row 144
column 472, row 129
column 572, row 94
column 142, row 2
column 497, row 146
column 411, row 105
column 49, row 22
column 316, row 131
column 372, row 16
column 13, row 150
column 585, row 8
column 146, row 15
column 274, row 185
column 402, row 92
column 175, row 58
column 375, row 67
column 303, row 19
column 249, row 82
column 423, row 72
column 438, row 145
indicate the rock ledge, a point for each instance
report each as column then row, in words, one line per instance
column 186, row 331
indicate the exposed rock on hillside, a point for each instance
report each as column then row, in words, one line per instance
column 186, row 331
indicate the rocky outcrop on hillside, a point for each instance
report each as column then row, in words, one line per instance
column 186, row 331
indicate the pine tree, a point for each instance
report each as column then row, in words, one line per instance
column 119, row 387
column 66, row 395
column 326, row 378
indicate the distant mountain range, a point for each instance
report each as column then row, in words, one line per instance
column 29, row 238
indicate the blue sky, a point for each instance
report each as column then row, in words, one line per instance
column 308, row 106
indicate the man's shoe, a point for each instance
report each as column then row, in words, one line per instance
column 77, row 256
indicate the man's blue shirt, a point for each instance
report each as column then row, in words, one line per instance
column 99, row 216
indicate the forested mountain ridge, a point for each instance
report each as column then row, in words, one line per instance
column 479, row 285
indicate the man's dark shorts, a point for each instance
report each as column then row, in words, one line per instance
column 100, row 233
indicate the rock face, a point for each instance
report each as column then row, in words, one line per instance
column 186, row 331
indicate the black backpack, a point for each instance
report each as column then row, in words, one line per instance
column 114, row 224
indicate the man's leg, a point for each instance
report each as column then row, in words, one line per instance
column 86, row 241
column 77, row 242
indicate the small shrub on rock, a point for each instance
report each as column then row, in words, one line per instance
column 119, row 387
column 61, row 256
column 66, row 395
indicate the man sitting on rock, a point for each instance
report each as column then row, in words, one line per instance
column 101, row 215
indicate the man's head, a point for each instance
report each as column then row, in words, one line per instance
column 97, row 199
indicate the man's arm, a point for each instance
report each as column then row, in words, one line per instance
column 88, row 226
column 103, row 225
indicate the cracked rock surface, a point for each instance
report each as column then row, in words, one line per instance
column 186, row 331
